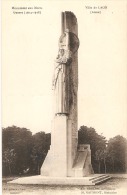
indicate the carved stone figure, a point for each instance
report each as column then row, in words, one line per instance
column 60, row 80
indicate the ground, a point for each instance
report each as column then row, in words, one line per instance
column 116, row 185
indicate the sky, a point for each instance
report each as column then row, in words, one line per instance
column 30, row 46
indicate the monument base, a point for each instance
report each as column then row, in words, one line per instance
column 61, row 160
column 55, row 163
column 82, row 166
column 70, row 181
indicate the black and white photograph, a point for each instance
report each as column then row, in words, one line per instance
column 64, row 97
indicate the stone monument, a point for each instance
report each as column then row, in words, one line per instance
column 66, row 163
column 66, row 158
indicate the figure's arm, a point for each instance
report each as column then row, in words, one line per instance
column 55, row 76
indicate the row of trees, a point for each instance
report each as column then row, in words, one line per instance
column 24, row 153
column 107, row 156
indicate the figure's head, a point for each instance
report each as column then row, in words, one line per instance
column 61, row 52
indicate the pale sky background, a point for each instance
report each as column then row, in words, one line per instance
column 30, row 46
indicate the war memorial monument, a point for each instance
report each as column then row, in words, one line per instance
column 67, row 162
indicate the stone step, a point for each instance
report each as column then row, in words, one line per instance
column 98, row 176
column 101, row 180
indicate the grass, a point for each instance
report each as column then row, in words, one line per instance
column 109, row 187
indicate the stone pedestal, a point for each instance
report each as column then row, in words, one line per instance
column 56, row 160
column 63, row 158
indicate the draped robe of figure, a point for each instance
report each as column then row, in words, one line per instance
column 61, row 76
